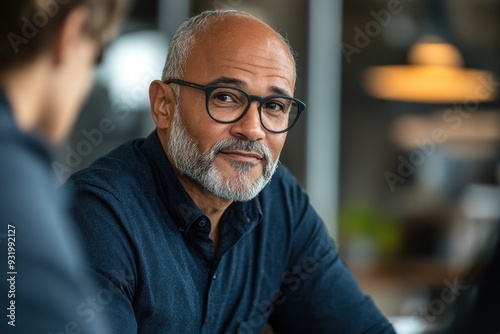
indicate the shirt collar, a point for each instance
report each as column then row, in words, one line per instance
column 179, row 204
column 6, row 109
column 177, row 201
column 9, row 129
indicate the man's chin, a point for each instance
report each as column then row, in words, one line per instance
column 238, row 193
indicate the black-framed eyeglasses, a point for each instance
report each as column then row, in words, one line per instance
column 228, row 104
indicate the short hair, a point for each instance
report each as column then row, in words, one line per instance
column 29, row 27
column 184, row 38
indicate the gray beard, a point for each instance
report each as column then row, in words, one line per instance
column 200, row 168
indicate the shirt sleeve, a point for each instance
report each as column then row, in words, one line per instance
column 108, row 246
column 318, row 293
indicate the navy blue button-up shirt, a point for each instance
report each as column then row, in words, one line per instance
column 150, row 250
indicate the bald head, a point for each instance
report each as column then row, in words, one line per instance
column 217, row 32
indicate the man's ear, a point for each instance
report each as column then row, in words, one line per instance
column 70, row 34
column 162, row 101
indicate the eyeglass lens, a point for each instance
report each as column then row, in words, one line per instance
column 227, row 105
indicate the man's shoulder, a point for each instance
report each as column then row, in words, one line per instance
column 121, row 167
column 284, row 190
column 282, row 180
column 25, row 161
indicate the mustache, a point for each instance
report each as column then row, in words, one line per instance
column 244, row 145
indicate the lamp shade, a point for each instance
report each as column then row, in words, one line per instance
column 435, row 74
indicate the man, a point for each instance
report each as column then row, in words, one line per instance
column 47, row 52
column 186, row 225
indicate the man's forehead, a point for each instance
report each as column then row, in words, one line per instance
column 238, row 82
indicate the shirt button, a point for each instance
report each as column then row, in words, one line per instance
column 214, row 277
column 202, row 223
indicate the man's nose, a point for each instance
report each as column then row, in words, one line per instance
column 249, row 126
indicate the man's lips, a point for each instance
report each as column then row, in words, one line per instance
column 244, row 156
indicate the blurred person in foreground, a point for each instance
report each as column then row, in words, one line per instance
column 48, row 49
column 205, row 240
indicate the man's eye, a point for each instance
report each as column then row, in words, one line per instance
column 274, row 106
column 224, row 97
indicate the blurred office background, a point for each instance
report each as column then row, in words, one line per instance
column 399, row 145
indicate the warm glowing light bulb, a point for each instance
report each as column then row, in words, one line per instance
column 435, row 75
